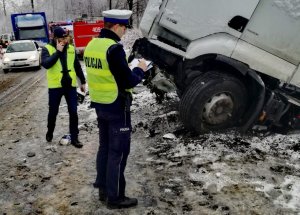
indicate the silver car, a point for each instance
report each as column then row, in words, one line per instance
column 22, row 54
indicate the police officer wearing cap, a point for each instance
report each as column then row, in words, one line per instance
column 60, row 60
column 110, row 81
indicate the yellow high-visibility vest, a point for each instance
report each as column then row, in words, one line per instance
column 54, row 74
column 103, row 88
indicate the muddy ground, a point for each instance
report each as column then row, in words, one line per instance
column 170, row 170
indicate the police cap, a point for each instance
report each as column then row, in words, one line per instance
column 117, row 16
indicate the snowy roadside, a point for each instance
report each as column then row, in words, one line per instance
column 216, row 173
column 268, row 164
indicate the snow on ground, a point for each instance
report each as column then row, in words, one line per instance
column 129, row 38
column 213, row 153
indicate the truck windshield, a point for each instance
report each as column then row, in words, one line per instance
column 32, row 33
column 29, row 20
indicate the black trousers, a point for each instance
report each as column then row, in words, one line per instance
column 114, row 148
column 55, row 96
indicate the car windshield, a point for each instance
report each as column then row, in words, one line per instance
column 20, row 47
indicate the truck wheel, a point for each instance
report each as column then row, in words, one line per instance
column 5, row 71
column 213, row 101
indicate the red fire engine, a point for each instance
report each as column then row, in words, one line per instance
column 84, row 31
column 67, row 25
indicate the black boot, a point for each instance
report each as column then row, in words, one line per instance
column 102, row 195
column 125, row 202
column 76, row 143
column 49, row 136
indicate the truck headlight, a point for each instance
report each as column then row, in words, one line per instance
column 6, row 59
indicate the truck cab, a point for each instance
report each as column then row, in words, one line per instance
column 30, row 26
column 234, row 63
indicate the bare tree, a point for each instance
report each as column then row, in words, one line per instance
column 4, row 7
column 137, row 7
column 32, row 6
column 59, row 10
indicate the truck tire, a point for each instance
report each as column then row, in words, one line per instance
column 5, row 70
column 214, row 101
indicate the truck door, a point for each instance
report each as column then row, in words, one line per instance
column 275, row 28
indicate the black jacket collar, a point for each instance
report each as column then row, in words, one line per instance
column 106, row 33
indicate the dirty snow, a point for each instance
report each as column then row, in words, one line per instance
column 220, row 160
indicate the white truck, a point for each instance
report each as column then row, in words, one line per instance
column 235, row 63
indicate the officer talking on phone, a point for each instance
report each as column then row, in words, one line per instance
column 60, row 60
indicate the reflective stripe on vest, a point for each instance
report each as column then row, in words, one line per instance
column 54, row 74
column 103, row 88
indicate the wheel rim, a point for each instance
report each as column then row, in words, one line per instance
column 218, row 109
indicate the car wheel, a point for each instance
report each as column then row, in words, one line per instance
column 5, row 70
column 213, row 101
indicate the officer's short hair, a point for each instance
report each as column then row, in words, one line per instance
column 109, row 25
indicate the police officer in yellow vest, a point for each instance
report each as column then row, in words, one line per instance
column 110, row 80
column 59, row 58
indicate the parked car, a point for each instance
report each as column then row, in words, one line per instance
column 22, row 54
column 6, row 39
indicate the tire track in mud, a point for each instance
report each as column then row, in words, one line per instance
column 24, row 82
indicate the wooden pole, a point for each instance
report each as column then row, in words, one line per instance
column 32, row 6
